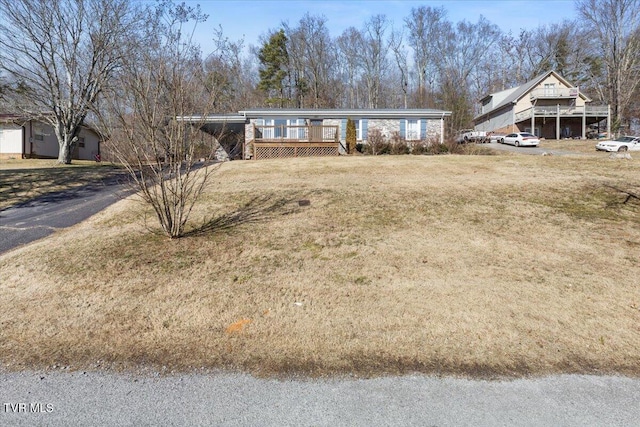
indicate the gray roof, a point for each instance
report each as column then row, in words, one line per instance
column 522, row 90
column 344, row 113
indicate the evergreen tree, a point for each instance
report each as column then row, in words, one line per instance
column 274, row 59
column 351, row 136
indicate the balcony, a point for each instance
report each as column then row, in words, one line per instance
column 553, row 93
column 563, row 111
column 278, row 141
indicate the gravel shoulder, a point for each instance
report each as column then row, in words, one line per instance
column 105, row 399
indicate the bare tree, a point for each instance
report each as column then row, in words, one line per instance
column 62, row 54
column 347, row 44
column 154, row 118
column 615, row 24
column 425, row 25
column 372, row 54
column 230, row 75
column 462, row 48
column 400, row 54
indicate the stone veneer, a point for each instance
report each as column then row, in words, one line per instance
column 388, row 127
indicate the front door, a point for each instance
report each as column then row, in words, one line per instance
column 315, row 131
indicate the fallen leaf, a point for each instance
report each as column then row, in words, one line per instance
column 238, row 327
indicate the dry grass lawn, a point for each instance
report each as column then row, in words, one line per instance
column 464, row 265
column 22, row 180
column 582, row 146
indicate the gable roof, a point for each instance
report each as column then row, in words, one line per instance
column 518, row 92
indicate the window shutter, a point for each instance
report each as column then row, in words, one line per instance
column 403, row 128
column 423, row 129
column 365, row 129
column 343, row 130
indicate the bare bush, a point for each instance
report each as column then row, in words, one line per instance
column 150, row 123
column 377, row 144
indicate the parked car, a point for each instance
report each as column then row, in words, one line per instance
column 520, row 139
column 622, row 143
column 469, row 135
column 496, row 137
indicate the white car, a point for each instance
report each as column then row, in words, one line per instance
column 520, row 139
column 622, row 143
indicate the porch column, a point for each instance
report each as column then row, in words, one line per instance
column 584, row 122
column 558, row 121
column 533, row 120
column 609, row 121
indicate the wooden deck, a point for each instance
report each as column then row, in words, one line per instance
column 271, row 142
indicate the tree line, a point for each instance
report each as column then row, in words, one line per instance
column 431, row 62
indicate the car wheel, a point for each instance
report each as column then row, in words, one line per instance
column 623, row 148
column 517, row 143
column 501, row 140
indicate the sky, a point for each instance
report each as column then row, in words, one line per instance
column 250, row 19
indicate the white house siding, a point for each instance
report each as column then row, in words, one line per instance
column 34, row 147
column 10, row 141
column 91, row 145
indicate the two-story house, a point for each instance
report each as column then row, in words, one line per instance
column 548, row 106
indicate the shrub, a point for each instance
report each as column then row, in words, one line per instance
column 377, row 143
column 399, row 145
column 351, row 136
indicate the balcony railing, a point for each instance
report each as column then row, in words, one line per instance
column 563, row 111
column 571, row 92
column 295, row 133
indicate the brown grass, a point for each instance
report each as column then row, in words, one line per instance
column 22, row 180
column 471, row 265
column 581, row 146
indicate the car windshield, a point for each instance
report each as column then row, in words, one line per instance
column 624, row 139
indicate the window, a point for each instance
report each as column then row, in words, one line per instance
column 283, row 128
column 280, row 127
column 358, row 124
column 412, row 130
column 81, row 142
column 38, row 135
column 549, row 89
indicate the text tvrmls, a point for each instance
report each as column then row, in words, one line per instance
column 28, row 407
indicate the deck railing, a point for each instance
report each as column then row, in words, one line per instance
column 277, row 141
column 295, row 133
column 563, row 111
column 564, row 92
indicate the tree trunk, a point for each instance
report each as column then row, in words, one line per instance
column 66, row 142
column 64, row 153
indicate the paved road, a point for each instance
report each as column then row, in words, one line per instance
column 41, row 216
column 98, row 399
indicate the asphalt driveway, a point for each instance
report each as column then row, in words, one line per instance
column 41, row 216
column 529, row 150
